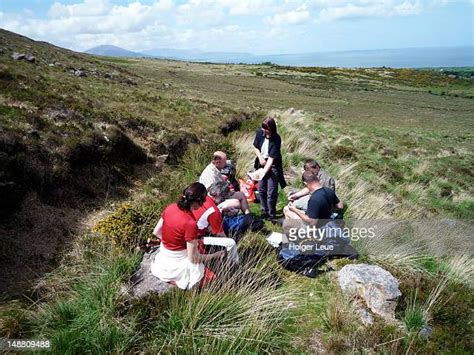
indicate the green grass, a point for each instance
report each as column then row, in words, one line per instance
column 399, row 144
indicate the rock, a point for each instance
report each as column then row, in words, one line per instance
column 144, row 282
column 79, row 72
column 22, row 56
column 363, row 313
column 18, row 56
column 425, row 332
column 376, row 286
column 30, row 58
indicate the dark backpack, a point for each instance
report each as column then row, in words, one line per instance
column 307, row 263
column 236, row 226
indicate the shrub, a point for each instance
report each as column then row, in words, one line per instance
column 122, row 227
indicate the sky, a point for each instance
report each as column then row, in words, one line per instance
column 250, row 26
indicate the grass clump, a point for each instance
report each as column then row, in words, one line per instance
column 414, row 317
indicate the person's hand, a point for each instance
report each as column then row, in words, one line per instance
column 292, row 207
column 262, row 161
column 292, row 197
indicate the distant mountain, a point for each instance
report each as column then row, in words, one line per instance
column 113, row 51
column 394, row 58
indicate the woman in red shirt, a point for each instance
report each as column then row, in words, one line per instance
column 178, row 259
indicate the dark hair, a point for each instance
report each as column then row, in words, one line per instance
column 310, row 176
column 270, row 124
column 311, row 164
column 196, row 192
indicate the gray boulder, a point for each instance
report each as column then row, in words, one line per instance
column 79, row 72
column 143, row 281
column 22, row 56
column 30, row 58
column 374, row 285
column 18, row 56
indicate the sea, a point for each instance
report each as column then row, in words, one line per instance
column 394, row 58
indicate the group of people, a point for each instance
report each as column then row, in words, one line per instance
column 193, row 232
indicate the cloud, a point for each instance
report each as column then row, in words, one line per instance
column 248, row 7
column 259, row 25
column 382, row 8
column 295, row 17
column 84, row 24
column 84, row 9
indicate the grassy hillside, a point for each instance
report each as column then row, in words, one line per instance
column 89, row 162
column 70, row 144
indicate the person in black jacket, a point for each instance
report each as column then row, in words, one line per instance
column 267, row 146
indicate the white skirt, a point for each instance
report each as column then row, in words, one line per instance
column 170, row 265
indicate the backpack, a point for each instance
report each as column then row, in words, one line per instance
column 307, row 263
column 236, row 226
column 248, row 187
column 229, row 172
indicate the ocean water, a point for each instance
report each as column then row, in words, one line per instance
column 394, row 58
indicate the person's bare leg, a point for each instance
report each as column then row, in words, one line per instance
column 244, row 205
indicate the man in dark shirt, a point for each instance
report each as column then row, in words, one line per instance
column 321, row 203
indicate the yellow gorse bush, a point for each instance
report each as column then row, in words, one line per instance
column 122, row 227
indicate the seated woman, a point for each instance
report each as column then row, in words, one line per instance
column 210, row 221
column 178, row 259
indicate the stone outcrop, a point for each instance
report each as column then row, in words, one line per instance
column 143, row 281
column 374, row 285
column 22, row 56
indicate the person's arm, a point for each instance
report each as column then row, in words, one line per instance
column 158, row 229
column 299, row 194
column 196, row 258
column 216, row 223
column 256, row 145
column 229, row 204
column 303, row 216
column 336, row 202
column 259, row 156
column 268, row 166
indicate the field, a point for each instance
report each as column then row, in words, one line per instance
column 75, row 205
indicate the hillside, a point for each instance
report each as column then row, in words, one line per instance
column 76, row 132
column 92, row 149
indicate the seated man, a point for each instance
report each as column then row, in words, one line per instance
column 321, row 203
column 211, row 174
column 301, row 198
column 209, row 220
